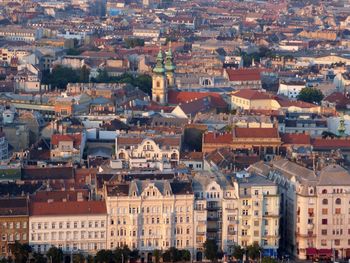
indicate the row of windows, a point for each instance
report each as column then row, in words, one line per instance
column 68, row 225
column 151, row 209
column 13, row 237
column 16, row 225
column 337, row 201
column 67, row 235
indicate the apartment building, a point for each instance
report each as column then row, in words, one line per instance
column 290, row 88
column 215, row 214
column 314, row 208
column 15, row 33
column 67, row 147
column 137, row 151
column 148, row 215
column 258, row 212
column 73, row 226
column 14, row 216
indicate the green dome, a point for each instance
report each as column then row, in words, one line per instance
column 159, row 68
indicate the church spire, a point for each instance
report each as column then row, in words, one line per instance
column 159, row 68
column 169, row 64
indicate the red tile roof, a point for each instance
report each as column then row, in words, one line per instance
column 296, row 103
column 256, row 132
column 176, row 97
column 67, row 208
column 296, row 138
column 339, row 98
column 243, row 74
column 336, row 143
column 212, row 137
column 251, row 94
column 76, row 138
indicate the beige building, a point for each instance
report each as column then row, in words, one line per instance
column 137, row 151
column 241, row 212
column 73, row 226
column 149, row 215
column 315, row 209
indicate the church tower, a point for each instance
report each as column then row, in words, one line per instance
column 170, row 68
column 159, row 81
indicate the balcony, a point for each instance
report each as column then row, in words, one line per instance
column 213, row 229
column 270, row 214
column 307, row 235
column 213, row 208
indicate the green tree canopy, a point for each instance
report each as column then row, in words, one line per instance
column 78, row 258
column 238, row 252
column 310, row 95
column 254, row 251
column 134, row 42
column 211, row 250
column 20, row 252
column 143, row 81
column 55, row 254
column 104, row 256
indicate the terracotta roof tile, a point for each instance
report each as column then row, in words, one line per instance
column 295, row 138
column 251, row 94
column 256, row 133
column 76, row 138
column 243, row 74
column 67, row 208
column 176, row 97
column 212, row 137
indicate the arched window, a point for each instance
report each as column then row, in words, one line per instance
column 338, row 201
column 325, row 201
column 158, row 84
column 324, row 191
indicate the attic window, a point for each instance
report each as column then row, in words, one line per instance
column 134, row 193
column 324, row 191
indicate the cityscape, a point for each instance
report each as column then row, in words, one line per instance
column 150, row 131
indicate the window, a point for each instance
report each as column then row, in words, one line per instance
column 338, row 201
column 337, row 211
column 324, row 191
column 324, row 221
column 337, row 242
column 324, row 232
column 325, row 201
column 323, row 242
column 324, row 211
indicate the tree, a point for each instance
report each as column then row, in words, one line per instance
column 78, row 258
column 90, row 259
column 157, row 255
column 55, row 254
column 193, row 139
column 20, row 252
column 185, row 255
column 238, row 252
column 310, row 95
column 84, row 74
column 253, row 251
column 134, row 42
column 121, row 254
column 39, row 258
column 60, row 77
column 210, row 249
column 134, row 254
column 104, row 256
column 268, row 260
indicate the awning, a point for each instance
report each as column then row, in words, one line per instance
column 311, row 251
column 325, row 252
